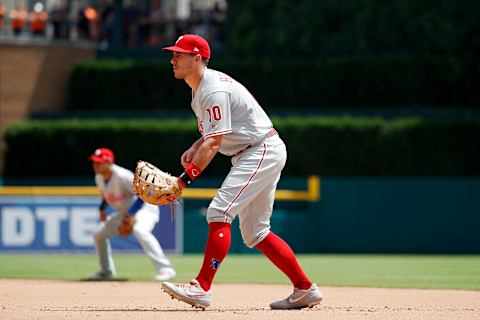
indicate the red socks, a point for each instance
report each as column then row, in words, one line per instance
column 218, row 244
column 277, row 250
column 280, row 253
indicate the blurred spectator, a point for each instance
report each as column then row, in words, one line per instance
column 157, row 20
column 144, row 26
column 106, row 23
column 93, row 18
column 146, row 23
column 3, row 11
column 216, row 22
column 130, row 20
column 170, row 26
column 82, row 24
column 198, row 21
column 59, row 19
column 18, row 15
column 38, row 20
column 88, row 23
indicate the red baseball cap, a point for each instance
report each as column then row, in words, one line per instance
column 102, row 155
column 191, row 43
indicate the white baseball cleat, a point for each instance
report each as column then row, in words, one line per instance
column 300, row 299
column 165, row 274
column 190, row 293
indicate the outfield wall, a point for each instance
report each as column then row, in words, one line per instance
column 368, row 215
column 333, row 215
column 405, row 215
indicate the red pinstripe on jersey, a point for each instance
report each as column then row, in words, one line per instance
column 216, row 133
column 249, row 180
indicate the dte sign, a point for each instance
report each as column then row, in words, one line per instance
column 32, row 227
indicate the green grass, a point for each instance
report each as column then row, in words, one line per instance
column 400, row 271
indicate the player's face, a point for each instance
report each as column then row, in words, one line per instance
column 101, row 167
column 183, row 64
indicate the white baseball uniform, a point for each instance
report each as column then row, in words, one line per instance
column 225, row 107
column 118, row 193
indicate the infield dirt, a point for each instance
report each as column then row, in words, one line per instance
column 42, row 299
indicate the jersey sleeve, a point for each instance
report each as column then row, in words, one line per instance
column 127, row 183
column 98, row 180
column 216, row 114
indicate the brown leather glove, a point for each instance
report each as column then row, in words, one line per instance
column 155, row 186
column 126, row 227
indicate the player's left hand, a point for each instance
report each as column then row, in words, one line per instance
column 126, row 227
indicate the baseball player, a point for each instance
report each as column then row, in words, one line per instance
column 132, row 214
column 232, row 122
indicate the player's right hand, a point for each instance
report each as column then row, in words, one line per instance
column 186, row 158
column 102, row 215
column 188, row 155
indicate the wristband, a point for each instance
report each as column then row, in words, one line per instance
column 137, row 205
column 191, row 173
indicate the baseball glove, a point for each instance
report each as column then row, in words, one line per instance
column 126, row 227
column 154, row 186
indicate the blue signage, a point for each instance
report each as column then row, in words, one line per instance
column 67, row 223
